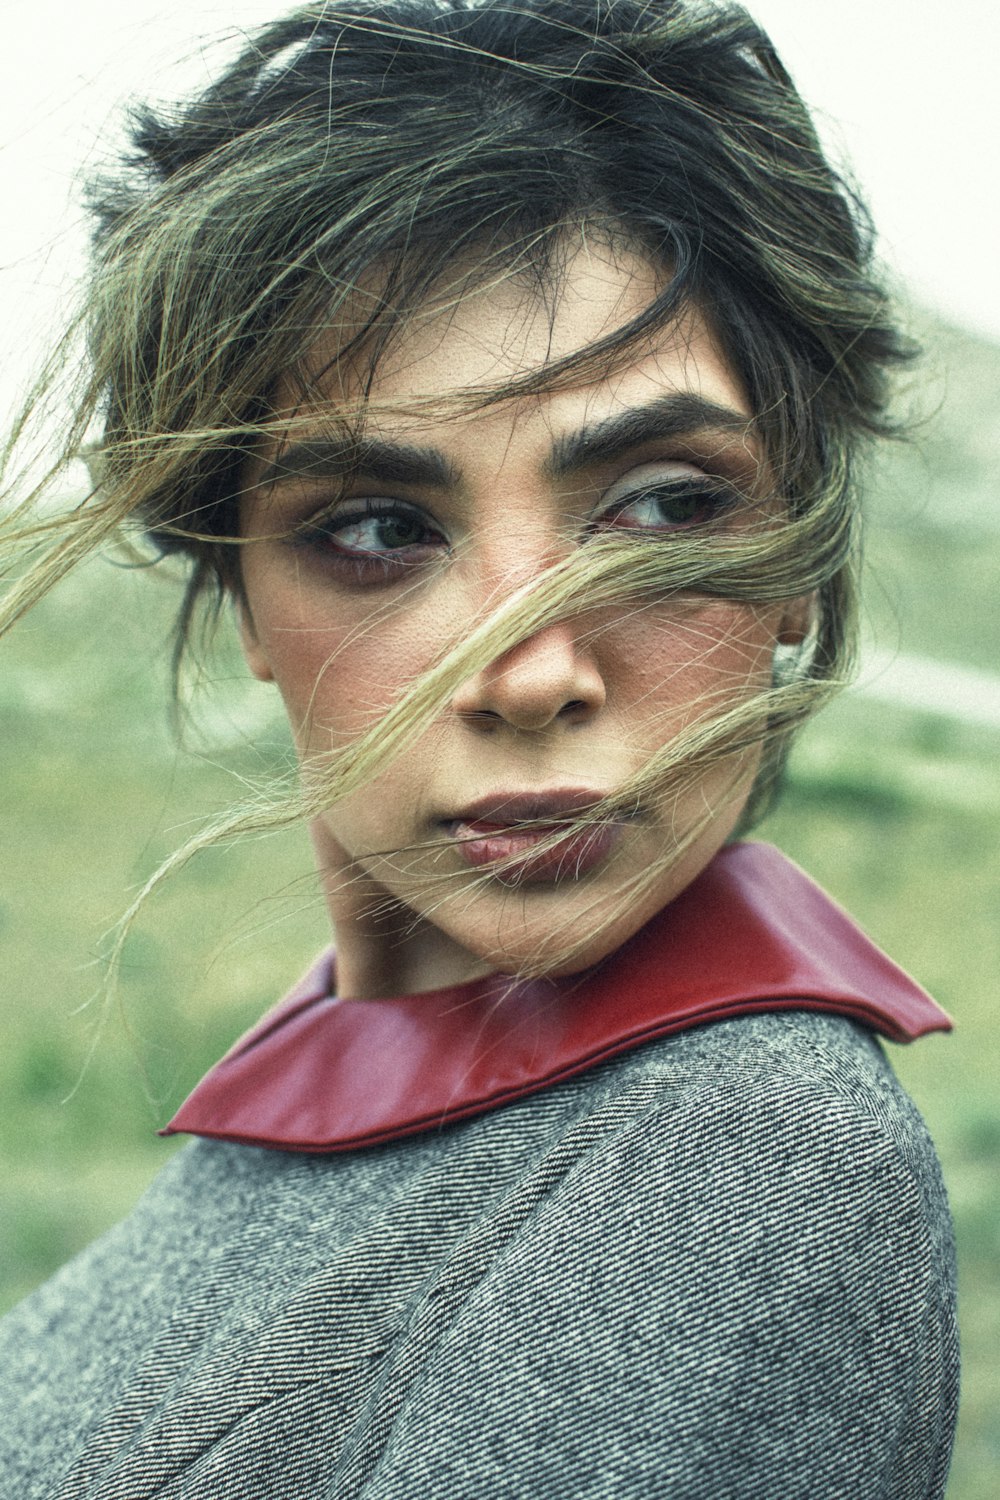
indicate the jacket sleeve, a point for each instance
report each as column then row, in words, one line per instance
column 749, row 1295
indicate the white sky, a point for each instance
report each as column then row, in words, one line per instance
column 908, row 87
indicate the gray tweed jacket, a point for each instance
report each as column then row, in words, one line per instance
column 719, row 1265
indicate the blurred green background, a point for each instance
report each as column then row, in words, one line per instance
column 895, row 809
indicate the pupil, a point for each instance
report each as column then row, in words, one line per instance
column 681, row 507
column 397, row 531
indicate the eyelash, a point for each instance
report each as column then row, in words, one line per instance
column 318, row 536
column 716, row 497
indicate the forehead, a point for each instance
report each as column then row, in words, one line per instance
column 477, row 340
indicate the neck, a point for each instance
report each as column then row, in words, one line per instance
column 383, row 947
column 398, row 954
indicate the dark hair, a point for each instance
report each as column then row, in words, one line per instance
column 415, row 134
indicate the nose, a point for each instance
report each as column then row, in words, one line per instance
column 537, row 683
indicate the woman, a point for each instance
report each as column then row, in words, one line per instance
column 507, row 369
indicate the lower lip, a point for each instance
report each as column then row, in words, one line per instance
column 520, row 858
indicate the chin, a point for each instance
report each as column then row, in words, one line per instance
column 535, row 929
column 534, row 936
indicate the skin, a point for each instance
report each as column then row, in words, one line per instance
column 581, row 704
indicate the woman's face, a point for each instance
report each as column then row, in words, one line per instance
column 449, row 517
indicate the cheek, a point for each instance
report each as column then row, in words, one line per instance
column 337, row 684
column 681, row 659
column 337, row 671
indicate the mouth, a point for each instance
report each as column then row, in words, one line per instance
column 491, row 832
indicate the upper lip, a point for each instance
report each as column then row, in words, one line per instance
column 557, row 805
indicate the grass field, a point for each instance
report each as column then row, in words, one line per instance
column 897, row 815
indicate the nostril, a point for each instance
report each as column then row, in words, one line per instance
column 542, row 680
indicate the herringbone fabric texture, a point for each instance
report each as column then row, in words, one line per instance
column 718, row 1266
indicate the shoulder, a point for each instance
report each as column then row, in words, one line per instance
column 747, row 1269
column 789, row 1113
column 784, row 1065
column 773, row 1200
column 782, row 1068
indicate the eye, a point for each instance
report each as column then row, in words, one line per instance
column 671, row 497
column 373, row 534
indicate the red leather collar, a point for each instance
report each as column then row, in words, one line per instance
column 751, row 934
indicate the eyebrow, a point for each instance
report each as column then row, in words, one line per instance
column 671, row 416
column 674, row 416
column 389, row 463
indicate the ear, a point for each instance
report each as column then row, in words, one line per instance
column 253, row 652
column 797, row 620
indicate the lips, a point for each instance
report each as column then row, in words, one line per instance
column 489, row 833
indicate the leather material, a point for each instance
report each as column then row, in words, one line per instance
column 751, row 934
